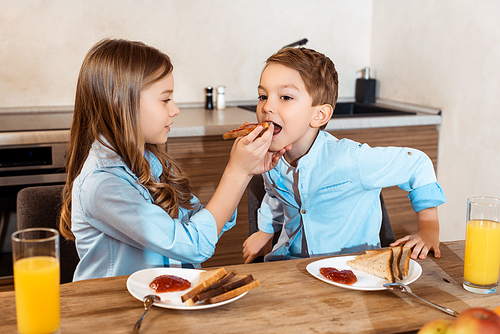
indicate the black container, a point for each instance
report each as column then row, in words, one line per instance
column 365, row 90
column 209, row 101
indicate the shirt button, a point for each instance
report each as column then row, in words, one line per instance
column 287, row 244
column 409, row 153
column 303, row 211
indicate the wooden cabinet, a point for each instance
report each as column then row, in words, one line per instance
column 204, row 159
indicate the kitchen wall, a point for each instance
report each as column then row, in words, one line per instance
column 211, row 42
column 442, row 54
column 446, row 54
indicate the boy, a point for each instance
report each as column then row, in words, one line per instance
column 324, row 193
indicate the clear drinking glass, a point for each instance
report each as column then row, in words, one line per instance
column 35, row 253
column 482, row 245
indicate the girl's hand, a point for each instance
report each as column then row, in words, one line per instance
column 270, row 161
column 258, row 244
column 251, row 154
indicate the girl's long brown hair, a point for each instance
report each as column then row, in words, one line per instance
column 113, row 74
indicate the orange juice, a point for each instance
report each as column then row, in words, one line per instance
column 482, row 252
column 36, row 282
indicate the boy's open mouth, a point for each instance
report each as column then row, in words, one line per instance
column 277, row 129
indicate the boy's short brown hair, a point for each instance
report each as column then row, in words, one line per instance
column 316, row 70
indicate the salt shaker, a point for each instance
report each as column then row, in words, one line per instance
column 221, row 97
column 209, row 103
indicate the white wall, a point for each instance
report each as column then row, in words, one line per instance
column 211, row 42
column 435, row 53
column 446, row 54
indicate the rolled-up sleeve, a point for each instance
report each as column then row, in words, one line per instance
column 428, row 196
column 410, row 169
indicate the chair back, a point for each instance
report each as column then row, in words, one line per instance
column 41, row 207
column 256, row 192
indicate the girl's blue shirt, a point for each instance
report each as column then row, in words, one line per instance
column 330, row 203
column 119, row 230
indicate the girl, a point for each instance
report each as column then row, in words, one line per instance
column 127, row 205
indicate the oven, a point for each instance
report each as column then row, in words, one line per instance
column 33, row 145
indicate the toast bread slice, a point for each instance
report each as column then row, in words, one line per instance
column 244, row 130
column 206, row 279
column 404, row 263
column 378, row 264
column 222, row 281
column 236, row 282
column 233, row 293
column 396, row 258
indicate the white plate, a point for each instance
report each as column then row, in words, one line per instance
column 138, row 286
column 365, row 281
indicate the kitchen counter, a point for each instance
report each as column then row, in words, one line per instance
column 196, row 121
column 201, row 122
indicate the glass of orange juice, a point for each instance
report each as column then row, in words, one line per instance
column 35, row 254
column 482, row 245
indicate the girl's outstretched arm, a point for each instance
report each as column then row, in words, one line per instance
column 250, row 155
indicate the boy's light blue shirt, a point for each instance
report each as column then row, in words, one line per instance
column 336, row 201
column 119, row 230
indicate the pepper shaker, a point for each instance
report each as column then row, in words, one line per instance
column 209, row 103
column 221, row 97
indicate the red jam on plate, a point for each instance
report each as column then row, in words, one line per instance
column 339, row 276
column 169, row 283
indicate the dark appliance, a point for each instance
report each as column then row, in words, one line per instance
column 33, row 144
column 354, row 109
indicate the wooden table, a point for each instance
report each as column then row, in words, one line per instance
column 289, row 299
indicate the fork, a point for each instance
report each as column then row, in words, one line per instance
column 148, row 300
column 405, row 288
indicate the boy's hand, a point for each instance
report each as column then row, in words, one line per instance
column 420, row 247
column 427, row 237
column 258, row 244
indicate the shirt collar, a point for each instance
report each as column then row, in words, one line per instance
column 106, row 157
column 305, row 160
column 315, row 149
